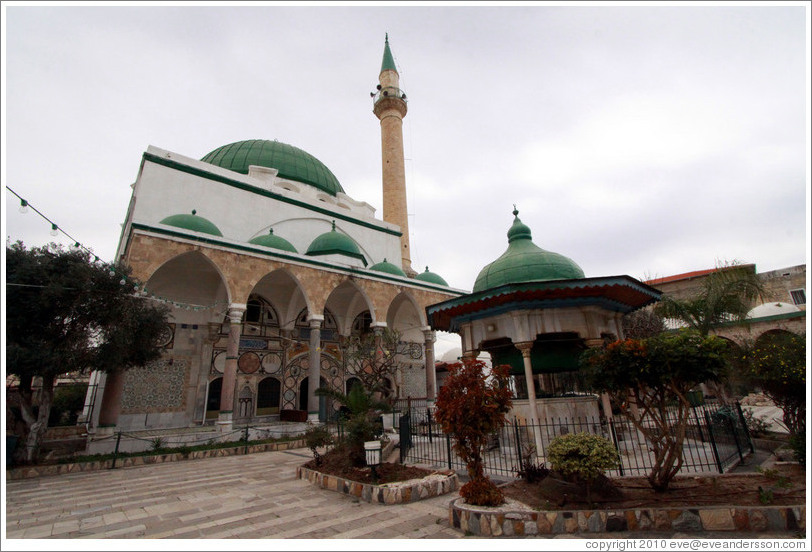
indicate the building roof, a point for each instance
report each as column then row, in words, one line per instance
column 621, row 294
column 389, row 268
column 192, row 222
column 275, row 242
column 431, row 277
column 524, row 261
column 335, row 243
column 291, row 162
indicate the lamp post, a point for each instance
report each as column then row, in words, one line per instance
column 372, row 449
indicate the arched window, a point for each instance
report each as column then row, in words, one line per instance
column 260, row 317
column 268, row 395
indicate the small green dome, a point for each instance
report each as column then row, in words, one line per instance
column 524, row 261
column 389, row 268
column 291, row 162
column 269, row 240
column 431, row 277
column 192, row 222
column 335, row 243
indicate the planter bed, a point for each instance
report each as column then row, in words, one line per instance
column 516, row 519
column 400, row 492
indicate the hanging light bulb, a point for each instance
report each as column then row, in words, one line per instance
column 23, row 206
column 54, row 229
column 123, row 282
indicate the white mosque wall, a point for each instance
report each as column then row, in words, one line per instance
column 240, row 214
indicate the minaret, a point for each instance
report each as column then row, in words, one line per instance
column 390, row 108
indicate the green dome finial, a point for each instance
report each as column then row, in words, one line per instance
column 519, row 230
column 334, row 225
column 194, row 211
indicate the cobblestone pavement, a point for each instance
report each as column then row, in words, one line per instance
column 248, row 497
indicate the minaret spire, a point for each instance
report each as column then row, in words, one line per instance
column 390, row 107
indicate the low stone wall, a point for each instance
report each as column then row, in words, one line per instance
column 25, row 472
column 401, row 492
column 516, row 519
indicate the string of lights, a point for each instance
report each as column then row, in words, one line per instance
column 140, row 290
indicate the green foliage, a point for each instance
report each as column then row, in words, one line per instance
column 777, row 364
column 757, row 426
column 361, row 423
column 725, row 295
column 470, row 406
column 581, row 456
column 317, row 436
column 652, row 378
column 797, row 443
column 66, row 313
column 68, row 403
column 157, row 444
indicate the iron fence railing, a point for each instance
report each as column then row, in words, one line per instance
column 716, row 440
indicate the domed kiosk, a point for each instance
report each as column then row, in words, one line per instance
column 536, row 311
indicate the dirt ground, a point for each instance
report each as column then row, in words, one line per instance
column 781, row 485
column 387, row 473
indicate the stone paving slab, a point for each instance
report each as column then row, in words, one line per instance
column 255, row 497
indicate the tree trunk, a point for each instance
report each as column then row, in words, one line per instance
column 35, row 426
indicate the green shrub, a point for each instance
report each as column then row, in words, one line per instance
column 757, row 426
column 317, row 436
column 581, row 456
column 797, row 443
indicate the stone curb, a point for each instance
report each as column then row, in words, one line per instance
column 26, row 472
column 436, row 484
column 514, row 519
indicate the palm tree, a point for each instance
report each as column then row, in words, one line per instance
column 361, row 411
column 726, row 296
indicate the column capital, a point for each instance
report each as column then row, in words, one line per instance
column 524, row 347
column 429, row 335
column 315, row 320
column 235, row 312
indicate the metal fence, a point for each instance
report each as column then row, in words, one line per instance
column 716, row 440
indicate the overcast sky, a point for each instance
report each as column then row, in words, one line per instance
column 643, row 140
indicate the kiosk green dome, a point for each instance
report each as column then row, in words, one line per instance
column 192, row 222
column 335, row 243
column 524, row 261
column 270, row 240
column 291, row 162
column 389, row 268
column 431, row 278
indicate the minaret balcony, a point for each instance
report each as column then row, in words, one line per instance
column 389, row 92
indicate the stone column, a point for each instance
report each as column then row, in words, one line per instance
column 314, row 375
column 525, row 347
column 606, row 404
column 431, row 373
column 226, row 416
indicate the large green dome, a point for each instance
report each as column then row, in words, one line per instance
column 192, row 222
column 335, row 243
column 524, row 261
column 291, row 162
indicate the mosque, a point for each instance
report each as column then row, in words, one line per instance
column 269, row 268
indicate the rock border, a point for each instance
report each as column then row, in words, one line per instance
column 436, row 484
column 516, row 519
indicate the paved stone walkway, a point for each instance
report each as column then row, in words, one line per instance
column 248, row 497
